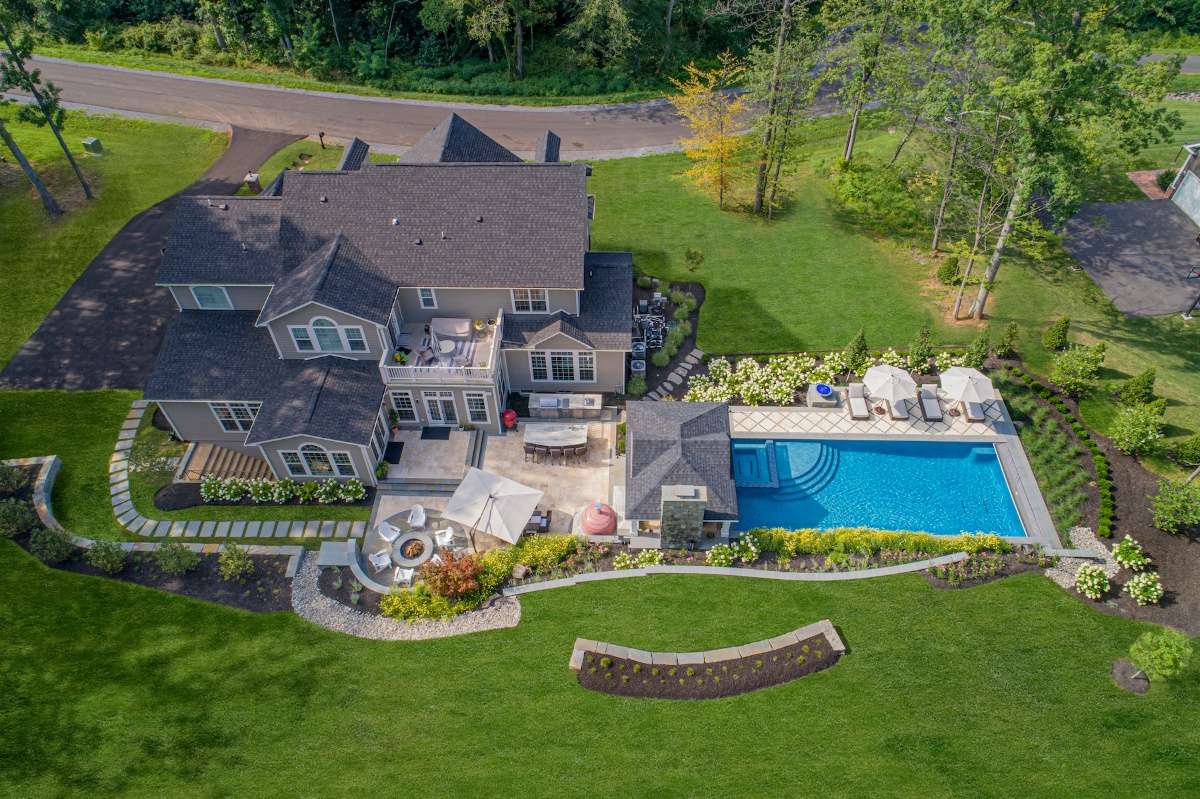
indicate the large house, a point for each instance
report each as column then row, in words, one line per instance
column 425, row 290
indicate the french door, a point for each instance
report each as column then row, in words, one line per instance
column 439, row 405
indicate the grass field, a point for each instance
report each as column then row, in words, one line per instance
column 143, row 162
column 1001, row 690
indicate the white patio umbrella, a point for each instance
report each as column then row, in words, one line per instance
column 889, row 383
column 492, row 504
column 963, row 384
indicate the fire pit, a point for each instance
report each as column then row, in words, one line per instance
column 412, row 549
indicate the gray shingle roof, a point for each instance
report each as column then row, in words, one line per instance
column 455, row 140
column 354, row 156
column 221, row 355
column 605, row 319
column 677, row 443
column 229, row 240
column 547, row 147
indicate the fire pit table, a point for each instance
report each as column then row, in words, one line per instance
column 412, row 549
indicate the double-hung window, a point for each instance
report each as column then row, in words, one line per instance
column 294, row 465
column 477, row 410
column 530, row 301
column 562, row 366
column 428, row 298
column 325, row 335
column 537, row 366
column 235, row 417
column 402, row 401
column 587, row 367
column 212, row 298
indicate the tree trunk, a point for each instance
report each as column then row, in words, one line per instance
column 1193, row 475
column 946, row 191
column 852, row 133
column 1015, row 206
column 980, row 238
column 218, row 34
column 519, row 47
column 666, row 56
column 490, row 52
column 333, row 17
column 907, row 135
column 48, row 202
column 760, row 182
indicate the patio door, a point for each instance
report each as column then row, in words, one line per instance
column 440, row 407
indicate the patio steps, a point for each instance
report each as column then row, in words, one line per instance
column 224, row 462
column 418, row 487
column 475, row 448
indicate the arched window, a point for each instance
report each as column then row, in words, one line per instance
column 313, row 460
column 316, row 460
column 325, row 335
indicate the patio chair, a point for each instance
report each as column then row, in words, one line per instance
column 579, row 451
column 974, row 412
column 530, row 451
column 380, row 560
column 899, row 410
column 540, row 451
column 539, row 522
column 403, row 576
column 445, row 538
column 389, row 532
column 416, row 517
column 857, row 400
column 931, row 409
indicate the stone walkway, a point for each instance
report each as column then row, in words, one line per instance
column 133, row 521
column 676, row 377
column 788, row 421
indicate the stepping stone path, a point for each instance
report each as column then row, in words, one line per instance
column 678, row 376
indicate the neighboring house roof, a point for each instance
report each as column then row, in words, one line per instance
column 455, row 140
column 677, row 443
column 354, row 156
column 605, row 319
column 221, row 355
column 547, row 147
column 227, row 240
column 336, row 275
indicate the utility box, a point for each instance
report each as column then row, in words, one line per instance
column 92, row 146
column 252, row 182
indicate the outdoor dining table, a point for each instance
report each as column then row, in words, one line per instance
column 551, row 434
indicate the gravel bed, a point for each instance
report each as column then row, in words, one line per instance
column 311, row 604
column 1082, row 538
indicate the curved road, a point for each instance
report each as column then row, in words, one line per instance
column 586, row 131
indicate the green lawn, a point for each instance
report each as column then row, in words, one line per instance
column 998, row 691
column 143, row 163
column 308, row 155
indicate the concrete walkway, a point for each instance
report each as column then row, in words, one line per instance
column 106, row 330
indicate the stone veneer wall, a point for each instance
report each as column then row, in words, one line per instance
column 682, row 515
column 822, row 627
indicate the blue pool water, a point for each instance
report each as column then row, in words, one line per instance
column 939, row 487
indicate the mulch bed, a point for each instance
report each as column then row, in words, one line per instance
column 654, row 375
column 624, row 677
column 1123, row 675
column 979, row 570
column 337, row 584
column 179, row 496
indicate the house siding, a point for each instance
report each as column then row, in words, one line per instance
column 244, row 298
column 194, row 421
column 418, row 391
column 361, row 457
column 474, row 303
column 305, row 315
column 610, row 373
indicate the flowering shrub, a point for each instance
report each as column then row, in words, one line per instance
column 284, row 490
column 1145, row 588
column 944, row 360
column 417, row 603
column 791, row 543
column 234, row 488
column 893, row 358
column 649, row 557
column 745, row 549
column 1091, row 581
column 1138, row 428
column 329, row 491
column 719, row 555
column 353, row 491
column 623, row 560
column 210, row 487
column 261, row 489
column 1129, row 555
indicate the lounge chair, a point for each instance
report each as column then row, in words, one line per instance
column 931, row 409
column 974, row 412
column 857, row 400
column 403, row 576
column 380, row 560
column 899, row 410
column 445, row 538
column 389, row 532
column 416, row 517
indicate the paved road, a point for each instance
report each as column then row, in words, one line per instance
column 106, row 330
column 1191, row 63
column 585, row 130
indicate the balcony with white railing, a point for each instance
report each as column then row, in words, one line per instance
column 446, row 351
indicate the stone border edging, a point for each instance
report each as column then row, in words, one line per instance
column 43, row 490
column 732, row 571
column 134, row 522
column 763, row 647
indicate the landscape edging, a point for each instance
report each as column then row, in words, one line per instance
column 732, row 571
column 763, row 647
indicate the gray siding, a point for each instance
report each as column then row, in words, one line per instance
column 303, row 316
column 460, row 404
column 474, row 303
column 194, row 421
column 360, row 457
column 610, row 374
column 244, row 298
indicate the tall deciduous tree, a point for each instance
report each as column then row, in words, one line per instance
column 601, row 29
column 710, row 111
column 48, row 202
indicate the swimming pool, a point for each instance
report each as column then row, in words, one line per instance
column 943, row 488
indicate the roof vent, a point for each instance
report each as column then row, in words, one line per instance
column 210, row 202
column 479, row 219
column 244, row 247
column 417, row 241
column 395, row 220
column 224, row 206
column 324, row 199
column 443, row 235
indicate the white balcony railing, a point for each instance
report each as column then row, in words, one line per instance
column 450, row 375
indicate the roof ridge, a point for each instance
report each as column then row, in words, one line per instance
column 315, row 396
column 335, row 244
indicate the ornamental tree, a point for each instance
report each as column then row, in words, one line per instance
column 1161, row 654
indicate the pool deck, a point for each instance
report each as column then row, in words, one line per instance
column 799, row 423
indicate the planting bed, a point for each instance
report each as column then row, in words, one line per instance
column 985, row 568
column 337, row 583
column 180, row 496
column 628, row 677
column 655, row 375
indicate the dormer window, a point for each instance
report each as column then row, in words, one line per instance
column 325, row 335
column 212, row 298
column 530, row 301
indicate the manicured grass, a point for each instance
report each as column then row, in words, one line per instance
column 274, row 76
column 306, row 155
column 143, row 162
column 1001, row 690
column 1111, row 183
column 806, row 281
column 143, row 487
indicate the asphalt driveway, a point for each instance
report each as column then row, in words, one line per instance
column 1139, row 253
column 106, row 330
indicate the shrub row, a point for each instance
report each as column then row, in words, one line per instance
column 1103, row 471
column 233, row 489
column 791, row 543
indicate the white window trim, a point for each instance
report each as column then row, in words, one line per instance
column 396, row 408
column 253, row 407
column 487, row 413
column 512, row 295
column 575, row 361
column 200, row 305
column 432, row 298
column 439, row 397
column 342, row 337
column 329, row 453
